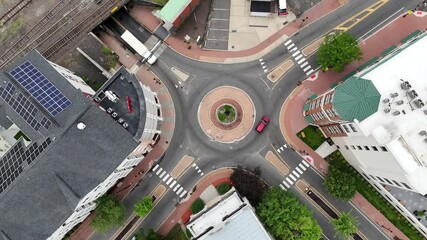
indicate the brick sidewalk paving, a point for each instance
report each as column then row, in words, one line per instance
column 392, row 34
column 181, row 209
column 147, row 19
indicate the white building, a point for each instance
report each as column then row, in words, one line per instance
column 378, row 120
column 231, row 218
column 77, row 150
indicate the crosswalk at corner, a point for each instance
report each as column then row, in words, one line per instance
column 294, row 175
column 169, row 180
column 299, row 57
column 282, row 148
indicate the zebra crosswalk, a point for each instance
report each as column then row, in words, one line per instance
column 299, row 57
column 294, row 175
column 169, row 181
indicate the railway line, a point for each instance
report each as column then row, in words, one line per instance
column 13, row 11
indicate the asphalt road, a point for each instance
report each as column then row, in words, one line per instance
column 189, row 139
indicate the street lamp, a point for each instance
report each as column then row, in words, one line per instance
column 302, row 22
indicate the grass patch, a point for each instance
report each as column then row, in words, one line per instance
column 313, row 136
column 226, row 113
column 21, row 134
column 176, row 233
column 197, row 206
column 110, row 59
column 379, row 202
column 12, row 30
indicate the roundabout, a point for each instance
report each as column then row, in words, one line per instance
column 226, row 114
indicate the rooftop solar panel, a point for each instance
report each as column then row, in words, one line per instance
column 29, row 77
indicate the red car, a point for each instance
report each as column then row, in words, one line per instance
column 264, row 121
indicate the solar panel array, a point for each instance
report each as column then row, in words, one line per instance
column 53, row 100
column 23, row 106
column 12, row 163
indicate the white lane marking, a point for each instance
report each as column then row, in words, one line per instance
column 155, row 167
column 299, row 170
column 173, row 184
column 397, row 12
column 278, row 150
column 287, row 43
column 289, row 180
column 302, row 166
column 305, row 163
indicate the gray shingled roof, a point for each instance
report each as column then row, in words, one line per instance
column 46, row 193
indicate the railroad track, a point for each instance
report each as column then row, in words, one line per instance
column 87, row 24
column 22, row 41
column 13, row 11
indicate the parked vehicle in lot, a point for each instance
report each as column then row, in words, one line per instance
column 262, row 124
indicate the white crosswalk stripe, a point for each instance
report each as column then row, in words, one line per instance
column 295, row 173
column 296, row 53
column 162, row 174
column 176, row 188
column 169, row 181
column 166, row 177
column 305, row 163
column 173, row 184
column 298, row 57
column 291, row 46
column 309, row 72
column 299, row 170
column 283, row 188
column 288, row 42
column 155, row 167
column 183, row 194
column 307, row 68
column 286, row 184
column 292, row 176
column 159, row 171
column 289, row 180
column 301, row 61
column 293, row 49
column 179, row 190
column 302, row 166
column 302, row 65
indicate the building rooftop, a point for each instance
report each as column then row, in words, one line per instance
column 401, row 120
column 128, row 91
column 356, row 98
column 45, row 180
column 232, row 218
column 172, row 10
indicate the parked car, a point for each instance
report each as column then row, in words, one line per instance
column 262, row 123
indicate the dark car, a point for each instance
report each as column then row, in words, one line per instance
column 264, row 121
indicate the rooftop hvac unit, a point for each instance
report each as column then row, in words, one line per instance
column 120, row 120
column 125, row 125
column 423, row 133
column 386, row 110
column 419, row 103
column 109, row 110
column 393, row 95
column 396, row 113
column 405, row 85
column 412, row 94
column 400, row 102
column 114, row 114
column 97, row 99
column 386, row 100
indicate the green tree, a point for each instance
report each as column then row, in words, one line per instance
column 223, row 188
column 109, row 213
column 147, row 235
column 248, row 184
column 337, row 51
column 340, row 182
column 143, row 207
column 197, row 206
column 345, row 225
column 285, row 218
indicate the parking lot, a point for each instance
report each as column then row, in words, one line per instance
column 218, row 26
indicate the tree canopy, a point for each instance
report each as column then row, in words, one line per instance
column 340, row 181
column 147, row 235
column 248, row 184
column 285, row 218
column 143, row 207
column 197, row 206
column 337, row 51
column 345, row 225
column 109, row 213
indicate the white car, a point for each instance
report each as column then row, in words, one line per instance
column 149, row 57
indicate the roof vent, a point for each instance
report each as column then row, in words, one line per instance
column 393, row 95
column 396, row 113
column 412, row 94
column 386, row 110
column 405, row 85
column 425, row 112
column 400, row 102
column 81, row 126
column 122, row 77
column 386, row 100
column 423, row 133
column 419, row 103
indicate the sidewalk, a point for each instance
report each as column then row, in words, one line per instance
column 181, row 210
column 392, row 34
column 167, row 128
column 147, row 19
